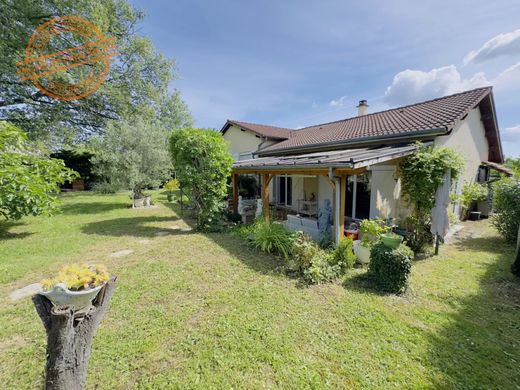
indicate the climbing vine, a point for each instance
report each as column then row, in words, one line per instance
column 421, row 174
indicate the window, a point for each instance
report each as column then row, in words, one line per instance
column 285, row 190
column 358, row 196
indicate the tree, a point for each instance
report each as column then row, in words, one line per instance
column 514, row 164
column 132, row 155
column 137, row 83
column 28, row 181
column 203, row 163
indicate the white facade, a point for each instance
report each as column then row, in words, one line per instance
column 468, row 138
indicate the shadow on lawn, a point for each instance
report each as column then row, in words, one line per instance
column 133, row 226
column 478, row 349
column 5, row 234
column 91, row 208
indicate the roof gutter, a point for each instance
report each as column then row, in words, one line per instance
column 354, row 142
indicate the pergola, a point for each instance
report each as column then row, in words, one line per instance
column 335, row 165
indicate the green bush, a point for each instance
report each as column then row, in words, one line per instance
column 105, row 187
column 272, row 238
column 390, row 268
column 232, row 217
column 471, row 193
column 322, row 269
column 343, row 254
column 506, row 204
column 303, row 251
column 203, row 164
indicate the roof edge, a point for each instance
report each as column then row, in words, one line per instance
column 354, row 142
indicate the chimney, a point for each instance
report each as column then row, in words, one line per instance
column 362, row 108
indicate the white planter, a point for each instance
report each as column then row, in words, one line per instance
column 362, row 253
column 60, row 295
column 142, row 202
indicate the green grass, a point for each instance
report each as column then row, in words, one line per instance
column 206, row 311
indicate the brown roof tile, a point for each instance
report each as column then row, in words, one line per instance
column 441, row 113
column 264, row 130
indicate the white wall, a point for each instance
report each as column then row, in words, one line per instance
column 384, row 192
column 241, row 141
column 468, row 138
column 325, row 191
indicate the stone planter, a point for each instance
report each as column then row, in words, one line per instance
column 60, row 295
column 142, row 202
column 362, row 252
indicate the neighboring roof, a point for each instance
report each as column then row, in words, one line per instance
column 350, row 158
column 421, row 120
column 498, row 167
column 274, row 132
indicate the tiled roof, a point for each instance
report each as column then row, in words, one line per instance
column 439, row 114
column 263, row 130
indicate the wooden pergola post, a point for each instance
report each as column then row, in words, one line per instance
column 265, row 196
column 234, row 179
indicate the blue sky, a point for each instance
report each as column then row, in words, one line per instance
column 296, row 63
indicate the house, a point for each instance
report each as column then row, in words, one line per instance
column 351, row 163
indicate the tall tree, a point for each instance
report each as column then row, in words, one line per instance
column 137, row 83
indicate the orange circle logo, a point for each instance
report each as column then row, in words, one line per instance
column 67, row 58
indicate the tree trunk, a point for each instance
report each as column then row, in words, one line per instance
column 69, row 339
column 516, row 265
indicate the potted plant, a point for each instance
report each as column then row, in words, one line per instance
column 371, row 231
column 470, row 195
column 391, row 240
column 75, row 285
column 171, row 186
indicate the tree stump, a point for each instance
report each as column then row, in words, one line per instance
column 69, row 338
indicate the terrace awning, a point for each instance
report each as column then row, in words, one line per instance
column 341, row 161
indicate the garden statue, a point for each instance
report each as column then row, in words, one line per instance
column 259, row 207
column 325, row 218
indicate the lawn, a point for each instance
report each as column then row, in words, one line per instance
column 206, row 311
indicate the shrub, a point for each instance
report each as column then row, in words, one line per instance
column 303, row 251
column 272, row 238
column 29, row 182
column 506, row 204
column 371, row 230
column 233, row 217
column 471, row 193
column 203, row 163
column 105, row 187
column 390, row 268
column 343, row 254
column 322, row 268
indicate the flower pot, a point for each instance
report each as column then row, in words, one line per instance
column 474, row 215
column 362, row 252
column 60, row 295
column 391, row 240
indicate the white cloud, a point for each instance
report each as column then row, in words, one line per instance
column 501, row 45
column 411, row 86
column 339, row 102
column 511, row 134
column 509, row 79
